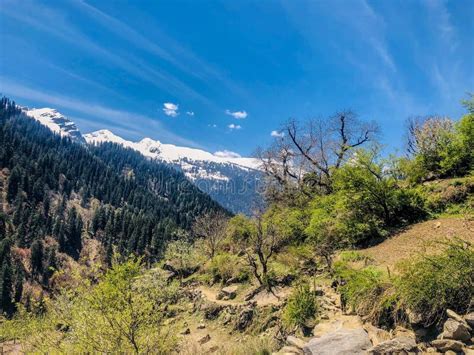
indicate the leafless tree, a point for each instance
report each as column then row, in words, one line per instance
column 211, row 227
column 260, row 248
column 307, row 154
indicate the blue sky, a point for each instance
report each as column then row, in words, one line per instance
column 230, row 72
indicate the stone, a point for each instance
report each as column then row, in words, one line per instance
column 244, row 319
column 468, row 351
column 204, row 339
column 396, row 345
column 213, row 349
column 342, row 341
column 453, row 315
column 447, row 344
column 455, row 330
column 294, row 341
column 186, row 331
column 211, row 310
column 201, row 326
column 449, row 352
column 403, row 332
column 289, row 350
column 376, row 335
column 230, row 291
column 414, row 318
column 469, row 318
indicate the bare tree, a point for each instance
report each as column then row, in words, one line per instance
column 260, row 248
column 307, row 154
column 211, row 227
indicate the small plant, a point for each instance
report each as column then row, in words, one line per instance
column 301, row 308
column 430, row 285
column 225, row 266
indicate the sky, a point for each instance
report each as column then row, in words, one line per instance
column 224, row 75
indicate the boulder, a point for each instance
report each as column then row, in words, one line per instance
column 469, row 318
column 294, row 341
column 453, row 315
column 211, row 310
column 201, row 326
column 229, row 292
column 342, row 341
column 376, row 335
column 447, row 344
column 397, row 345
column 453, row 329
column 403, row 332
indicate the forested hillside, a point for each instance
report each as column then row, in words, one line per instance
column 56, row 195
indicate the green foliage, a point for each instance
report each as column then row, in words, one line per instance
column 225, row 266
column 301, row 308
column 122, row 313
column 183, row 257
column 430, row 285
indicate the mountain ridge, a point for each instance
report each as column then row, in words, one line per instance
column 228, row 178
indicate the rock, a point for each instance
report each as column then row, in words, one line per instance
column 431, row 350
column 342, row 341
column 449, row 352
column 447, row 344
column 244, row 319
column 201, row 326
column 437, row 225
column 455, row 330
column 469, row 318
column 213, row 349
column 229, row 291
column 468, row 351
column 403, row 332
column 453, row 315
column 211, row 310
column 294, row 341
column 396, row 345
column 186, row 331
column 414, row 318
column 204, row 339
column 376, row 335
column 289, row 350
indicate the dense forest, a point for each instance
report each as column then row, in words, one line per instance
column 56, row 194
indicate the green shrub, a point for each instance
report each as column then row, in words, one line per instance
column 430, row 285
column 301, row 308
column 225, row 266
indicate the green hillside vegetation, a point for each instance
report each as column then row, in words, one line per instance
column 331, row 193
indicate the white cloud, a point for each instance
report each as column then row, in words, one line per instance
column 277, row 134
column 227, row 154
column 170, row 109
column 237, row 114
column 234, row 126
column 190, row 113
column 212, row 125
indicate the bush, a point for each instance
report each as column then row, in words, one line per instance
column 430, row 285
column 301, row 308
column 225, row 266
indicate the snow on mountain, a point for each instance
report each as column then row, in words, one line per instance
column 56, row 122
column 171, row 153
column 228, row 178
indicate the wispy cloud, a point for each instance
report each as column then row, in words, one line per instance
column 227, row 154
column 277, row 134
column 114, row 117
column 190, row 113
column 234, row 126
column 67, row 32
column 170, row 109
column 240, row 115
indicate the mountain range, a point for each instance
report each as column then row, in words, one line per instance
column 229, row 179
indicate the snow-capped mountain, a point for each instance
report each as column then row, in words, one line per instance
column 231, row 180
column 228, row 178
column 56, row 122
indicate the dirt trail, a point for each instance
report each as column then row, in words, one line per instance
column 263, row 298
column 419, row 239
